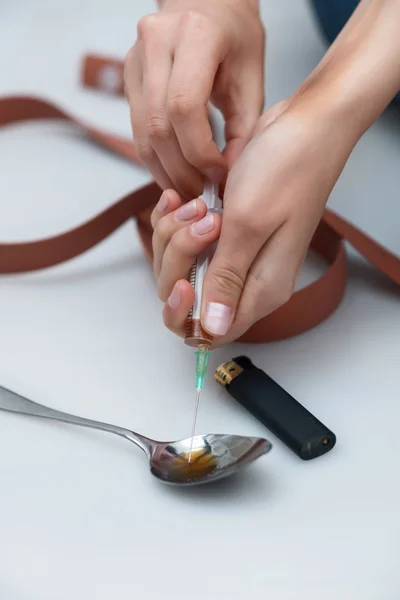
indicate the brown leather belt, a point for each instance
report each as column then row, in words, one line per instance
column 307, row 308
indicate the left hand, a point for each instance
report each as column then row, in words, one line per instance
column 274, row 199
column 191, row 53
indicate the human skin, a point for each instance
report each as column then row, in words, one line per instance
column 190, row 53
column 278, row 184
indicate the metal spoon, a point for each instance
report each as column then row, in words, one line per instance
column 214, row 456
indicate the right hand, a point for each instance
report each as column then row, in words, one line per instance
column 189, row 54
column 272, row 207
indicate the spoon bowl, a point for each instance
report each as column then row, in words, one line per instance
column 214, row 456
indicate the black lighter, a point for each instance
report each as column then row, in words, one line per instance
column 291, row 422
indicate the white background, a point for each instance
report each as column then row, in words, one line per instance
column 80, row 516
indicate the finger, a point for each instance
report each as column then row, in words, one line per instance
column 157, row 69
column 197, row 58
column 242, row 109
column 134, row 90
column 242, row 237
column 168, row 226
column 177, row 308
column 157, row 66
column 182, row 250
column 272, row 277
column 169, row 201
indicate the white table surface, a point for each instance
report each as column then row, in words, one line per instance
column 80, row 516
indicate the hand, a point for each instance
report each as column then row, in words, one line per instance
column 181, row 232
column 190, row 53
column 277, row 189
column 274, row 198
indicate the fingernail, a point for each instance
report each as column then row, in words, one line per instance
column 175, row 298
column 204, row 226
column 187, row 211
column 217, row 318
column 163, row 202
column 215, row 174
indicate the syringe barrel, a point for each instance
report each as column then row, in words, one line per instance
column 195, row 334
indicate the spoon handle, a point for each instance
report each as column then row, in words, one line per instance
column 14, row 403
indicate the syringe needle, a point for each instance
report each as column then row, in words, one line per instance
column 196, row 408
column 195, row 334
column 202, row 355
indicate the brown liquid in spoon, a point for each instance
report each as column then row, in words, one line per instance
column 202, row 463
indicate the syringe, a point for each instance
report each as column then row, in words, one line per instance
column 195, row 335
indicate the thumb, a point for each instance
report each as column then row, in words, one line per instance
column 242, row 109
column 222, row 289
column 225, row 278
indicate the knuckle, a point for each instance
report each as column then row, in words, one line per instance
column 181, row 106
column 148, row 26
column 195, row 155
column 226, row 280
column 158, row 128
column 161, row 231
column 177, row 244
column 144, row 151
column 194, row 20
